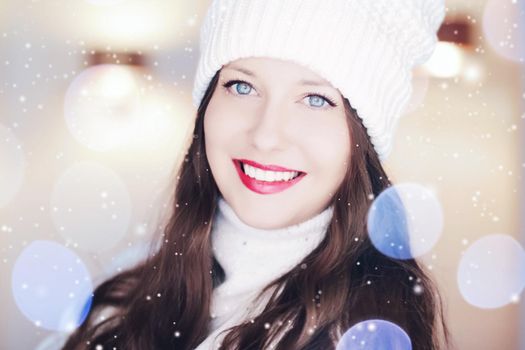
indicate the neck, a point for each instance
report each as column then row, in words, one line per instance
column 253, row 257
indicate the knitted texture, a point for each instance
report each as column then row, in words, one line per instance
column 252, row 258
column 364, row 48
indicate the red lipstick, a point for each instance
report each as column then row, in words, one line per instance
column 266, row 167
column 265, row 187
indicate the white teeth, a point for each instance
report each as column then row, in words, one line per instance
column 269, row 176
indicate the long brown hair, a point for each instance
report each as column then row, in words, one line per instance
column 163, row 303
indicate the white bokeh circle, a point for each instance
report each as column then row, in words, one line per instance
column 405, row 221
column 91, row 207
column 51, row 286
column 491, row 272
column 102, row 106
column 375, row 334
column 502, row 25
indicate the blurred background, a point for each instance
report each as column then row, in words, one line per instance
column 96, row 113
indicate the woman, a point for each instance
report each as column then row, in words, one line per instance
column 267, row 246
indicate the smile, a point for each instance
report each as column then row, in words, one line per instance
column 266, row 179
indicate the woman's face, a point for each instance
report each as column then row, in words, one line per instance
column 272, row 112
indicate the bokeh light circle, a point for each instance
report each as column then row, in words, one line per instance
column 405, row 221
column 102, row 106
column 165, row 122
column 54, row 341
column 502, row 25
column 91, row 207
column 51, row 286
column 375, row 335
column 447, row 60
column 491, row 272
column 12, row 165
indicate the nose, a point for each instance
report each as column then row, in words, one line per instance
column 268, row 130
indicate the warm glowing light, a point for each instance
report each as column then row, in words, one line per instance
column 446, row 62
column 130, row 22
column 119, row 83
column 473, row 72
column 102, row 106
column 124, row 24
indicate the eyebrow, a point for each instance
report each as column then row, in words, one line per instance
column 302, row 82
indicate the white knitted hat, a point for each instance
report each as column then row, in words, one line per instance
column 364, row 48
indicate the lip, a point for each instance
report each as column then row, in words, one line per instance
column 266, row 167
column 265, row 187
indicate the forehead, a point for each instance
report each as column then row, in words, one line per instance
column 284, row 70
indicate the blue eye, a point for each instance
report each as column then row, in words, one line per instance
column 316, row 101
column 242, row 87
column 246, row 89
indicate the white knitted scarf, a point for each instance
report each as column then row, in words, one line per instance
column 251, row 259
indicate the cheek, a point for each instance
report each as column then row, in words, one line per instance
column 221, row 134
column 328, row 144
column 334, row 157
column 218, row 125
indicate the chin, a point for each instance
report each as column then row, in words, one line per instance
column 262, row 220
